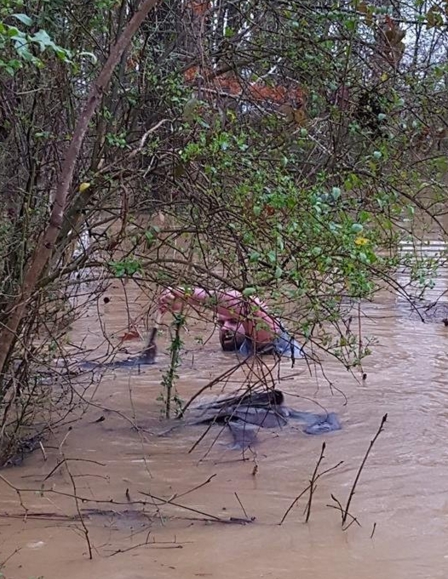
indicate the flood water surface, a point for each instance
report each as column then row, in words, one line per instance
column 121, row 470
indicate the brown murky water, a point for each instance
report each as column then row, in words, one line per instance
column 403, row 491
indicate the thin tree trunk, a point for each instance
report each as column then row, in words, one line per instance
column 47, row 241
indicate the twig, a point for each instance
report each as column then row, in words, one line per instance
column 242, row 506
column 64, row 439
column 163, row 545
column 38, row 516
column 312, row 483
column 341, row 510
column 207, row 515
column 358, row 474
column 291, row 506
column 43, row 491
column 83, row 499
column 216, row 380
column 354, row 520
column 11, row 486
column 145, row 136
column 44, row 454
column 81, row 518
column 171, row 502
column 359, row 332
column 157, row 545
column 3, row 563
column 210, row 478
column 338, row 503
column 203, row 435
column 373, row 531
column 295, row 501
column 64, row 460
column 169, row 378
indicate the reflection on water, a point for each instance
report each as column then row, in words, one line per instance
column 402, row 491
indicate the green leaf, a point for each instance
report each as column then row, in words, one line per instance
column 43, row 39
column 249, row 291
column 24, row 19
column 336, row 193
column 127, row 267
column 254, row 256
column 351, row 25
column 22, row 48
column 12, row 32
column 272, row 256
column 363, row 216
column 61, row 54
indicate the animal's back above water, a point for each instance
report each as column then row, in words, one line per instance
column 245, row 414
column 146, row 358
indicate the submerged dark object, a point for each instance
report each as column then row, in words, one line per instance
column 146, row 358
column 24, row 448
column 244, row 415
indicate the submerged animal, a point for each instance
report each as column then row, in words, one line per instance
column 244, row 415
column 146, row 358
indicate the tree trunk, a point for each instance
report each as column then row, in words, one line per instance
column 47, row 241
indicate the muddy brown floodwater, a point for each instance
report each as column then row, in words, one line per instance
column 403, row 492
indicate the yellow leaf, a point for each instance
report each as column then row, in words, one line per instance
column 384, row 77
column 292, row 114
column 300, row 116
column 83, row 187
column 362, row 7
